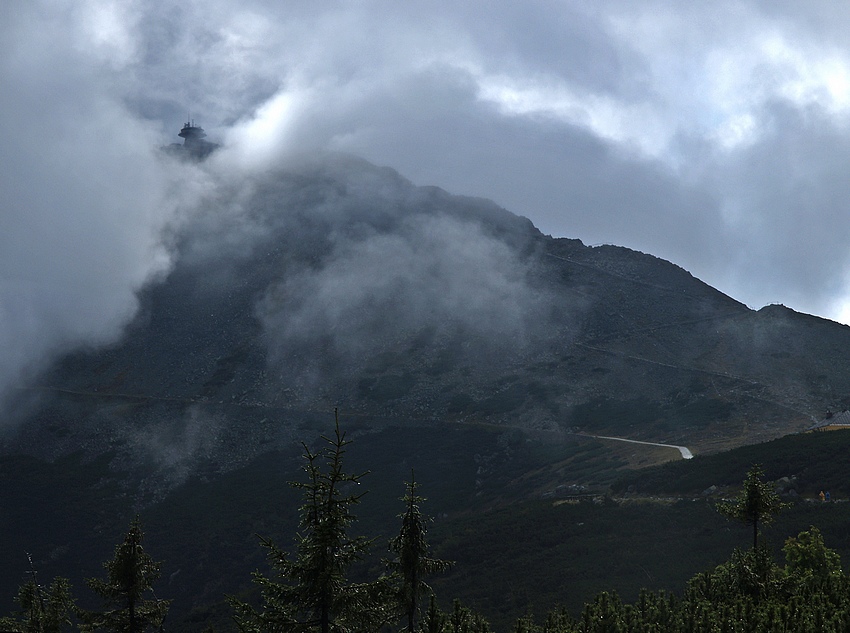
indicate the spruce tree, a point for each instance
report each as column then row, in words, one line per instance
column 434, row 620
column 43, row 610
column 756, row 504
column 129, row 579
column 310, row 590
column 412, row 563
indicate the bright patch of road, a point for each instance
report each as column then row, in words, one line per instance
column 684, row 450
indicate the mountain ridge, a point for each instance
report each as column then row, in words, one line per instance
column 341, row 283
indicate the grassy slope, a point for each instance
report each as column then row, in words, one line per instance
column 819, row 461
column 530, row 556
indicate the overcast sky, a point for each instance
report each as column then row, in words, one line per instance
column 714, row 135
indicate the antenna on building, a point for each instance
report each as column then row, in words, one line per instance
column 194, row 145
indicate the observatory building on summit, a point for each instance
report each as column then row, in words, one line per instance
column 194, row 145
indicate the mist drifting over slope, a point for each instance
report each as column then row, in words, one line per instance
column 428, row 272
column 348, row 261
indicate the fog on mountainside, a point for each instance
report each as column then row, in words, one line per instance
column 328, row 281
column 351, row 270
column 355, row 260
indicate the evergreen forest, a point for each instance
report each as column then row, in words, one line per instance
column 329, row 578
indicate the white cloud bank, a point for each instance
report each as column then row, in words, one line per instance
column 83, row 191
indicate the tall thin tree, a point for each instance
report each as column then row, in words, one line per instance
column 130, row 575
column 43, row 609
column 311, row 591
column 413, row 563
column 756, row 504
